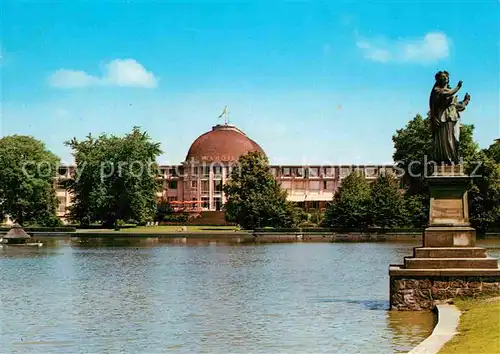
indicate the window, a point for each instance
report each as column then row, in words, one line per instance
column 298, row 172
column 205, row 202
column 62, row 204
column 218, row 203
column 329, row 171
column 345, row 171
column 314, row 204
column 286, row 185
column 299, row 185
column 314, row 185
column 274, row 171
column 217, row 171
column 328, row 185
column 63, row 171
column 206, row 171
column 371, row 171
column 194, row 171
column 217, row 186
column 285, row 172
column 204, row 187
column 313, row 171
column 60, row 184
column 172, row 185
column 172, row 172
column 194, row 184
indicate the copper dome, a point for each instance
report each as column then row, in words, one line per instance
column 224, row 143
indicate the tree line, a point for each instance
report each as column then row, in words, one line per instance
column 256, row 200
column 111, row 186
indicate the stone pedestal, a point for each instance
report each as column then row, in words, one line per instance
column 448, row 264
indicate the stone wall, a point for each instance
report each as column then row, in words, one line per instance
column 422, row 293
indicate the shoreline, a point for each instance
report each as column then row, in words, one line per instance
column 448, row 319
column 236, row 236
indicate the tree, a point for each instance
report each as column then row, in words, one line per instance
column 413, row 159
column 412, row 146
column 255, row 198
column 417, row 210
column 485, row 193
column 413, row 152
column 163, row 210
column 387, row 205
column 349, row 208
column 493, row 151
column 116, row 178
column 27, row 171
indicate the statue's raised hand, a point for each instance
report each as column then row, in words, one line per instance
column 467, row 97
column 460, row 84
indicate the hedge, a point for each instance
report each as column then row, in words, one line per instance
column 98, row 226
column 43, row 229
column 324, row 229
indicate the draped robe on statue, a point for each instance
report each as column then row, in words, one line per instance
column 445, row 122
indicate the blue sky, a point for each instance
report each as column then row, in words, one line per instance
column 311, row 82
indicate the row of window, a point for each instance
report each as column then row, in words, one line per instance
column 205, row 202
column 323, row 171
column 281, row 171
column 309, row 185
column 195, row 171
column 216, row 185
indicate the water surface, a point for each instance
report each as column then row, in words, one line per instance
column 155, row 298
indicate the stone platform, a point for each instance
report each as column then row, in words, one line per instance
column 448, row 264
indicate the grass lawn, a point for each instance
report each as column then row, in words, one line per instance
column 479, row 328
column 166, row 229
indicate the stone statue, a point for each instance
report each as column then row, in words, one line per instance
column 444, row 118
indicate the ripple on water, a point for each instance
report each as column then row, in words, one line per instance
column 280, row 298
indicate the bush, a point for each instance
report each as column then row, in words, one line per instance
column 307, row 224
column 44, row 229
column 278, row 229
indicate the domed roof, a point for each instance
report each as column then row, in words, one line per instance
column 224, row 143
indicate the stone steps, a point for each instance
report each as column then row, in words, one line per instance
column 449, row 252
column 455, row 263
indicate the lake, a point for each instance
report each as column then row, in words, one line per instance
column 150, row 297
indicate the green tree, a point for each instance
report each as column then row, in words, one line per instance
column 349, row 208
column 494, row 151
column 413, row 159
column 485, row 193
column 412, row 145
column 417, row 210
column 255, row 198
column 116, row 178
column 163, row 210
column 27, row 171
column 387, row 205
column 413, row 152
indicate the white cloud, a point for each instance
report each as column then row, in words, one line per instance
column 63, row 78
column 118, row 72
column 432, row 47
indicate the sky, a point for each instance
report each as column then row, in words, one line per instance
column 312, row 82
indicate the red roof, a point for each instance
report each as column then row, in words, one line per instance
column 224, row 143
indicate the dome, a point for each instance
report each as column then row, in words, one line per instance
column 224, row 143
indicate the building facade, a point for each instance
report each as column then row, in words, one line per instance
column 196, row 184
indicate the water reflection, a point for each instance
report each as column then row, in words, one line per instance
column 405, row 326
column 142, row 295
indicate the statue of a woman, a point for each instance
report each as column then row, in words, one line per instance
column 444, row 116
